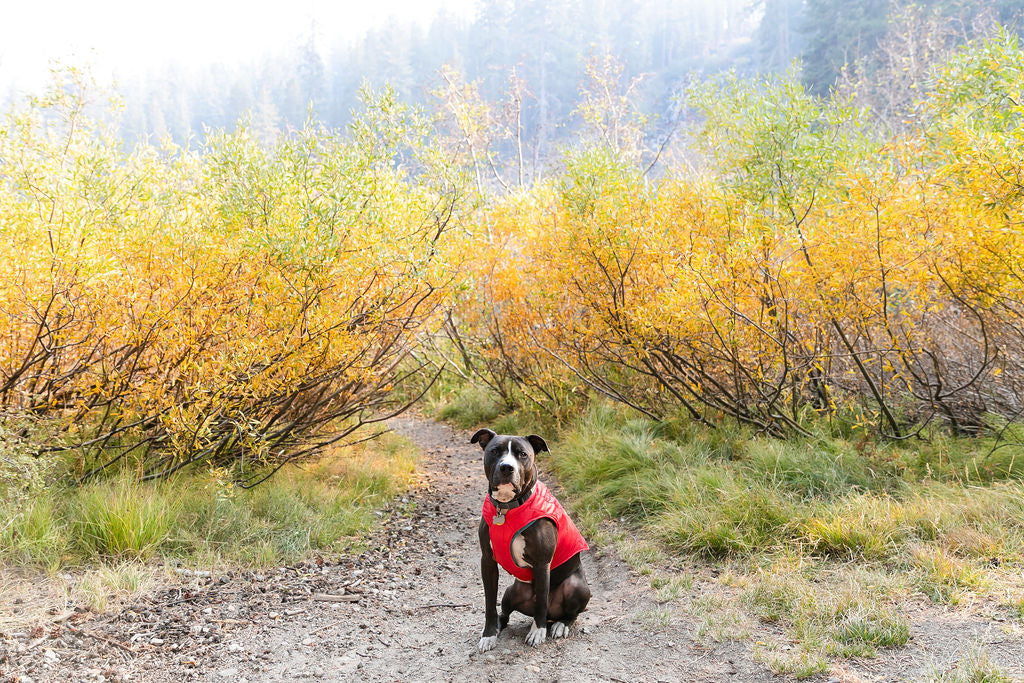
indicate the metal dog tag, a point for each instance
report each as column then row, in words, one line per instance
column 499, row 518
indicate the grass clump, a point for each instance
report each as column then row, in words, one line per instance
column 944, row 577
column 121, row 519
column 719, row 619
column 800, row 665
column 113, row 582
column 34, row 534
column 772, row 599
column 823, row 618
column 468, row 406
column 974, row 667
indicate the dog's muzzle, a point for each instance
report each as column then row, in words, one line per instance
column 507, row 479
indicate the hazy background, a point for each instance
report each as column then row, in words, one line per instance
column 194, row 64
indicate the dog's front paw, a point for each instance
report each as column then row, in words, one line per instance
column 536, row 635
column 559, row 630
column 487, row 643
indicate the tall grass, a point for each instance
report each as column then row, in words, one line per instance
column 201, row 520
column 728, row 492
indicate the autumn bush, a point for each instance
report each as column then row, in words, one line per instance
column 234, row 305
column 805, row 268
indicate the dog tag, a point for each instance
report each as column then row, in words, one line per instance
column 499, row 518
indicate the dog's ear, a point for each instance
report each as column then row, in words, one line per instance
column 537, row 443
column 483, row 437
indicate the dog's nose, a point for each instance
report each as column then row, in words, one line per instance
column 505, row 468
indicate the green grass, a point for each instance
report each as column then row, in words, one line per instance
column 473, row 405
column 122, row 519
column 203, row 521
column 468, row 406
column 727, row 493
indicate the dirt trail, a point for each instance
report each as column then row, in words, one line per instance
column 412, row 609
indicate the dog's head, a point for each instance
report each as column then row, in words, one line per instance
column 509, row 462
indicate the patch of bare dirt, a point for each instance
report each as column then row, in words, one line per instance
column 412, row 609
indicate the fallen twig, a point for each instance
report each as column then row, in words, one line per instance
column 436, row 605
column 109, row 641
column 327, row 597
column 327, row 626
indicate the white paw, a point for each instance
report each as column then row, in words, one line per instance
column 559, row 630
column 487, row 643
column 536, row 635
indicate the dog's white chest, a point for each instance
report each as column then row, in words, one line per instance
column 519, row 551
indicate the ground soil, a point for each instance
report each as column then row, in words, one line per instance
column 411, row 608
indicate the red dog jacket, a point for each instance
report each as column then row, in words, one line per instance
column 541, row 503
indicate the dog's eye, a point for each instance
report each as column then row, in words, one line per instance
column 521, row 454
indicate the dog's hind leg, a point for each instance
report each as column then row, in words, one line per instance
column 567, row 602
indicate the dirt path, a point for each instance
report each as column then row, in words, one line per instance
column 411, row 609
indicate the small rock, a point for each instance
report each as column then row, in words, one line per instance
column 157, row 641
column 227, row 673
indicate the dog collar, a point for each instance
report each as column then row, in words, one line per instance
column 515, row 502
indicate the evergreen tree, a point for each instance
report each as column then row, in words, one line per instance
column 838, row 33
column 778, row 33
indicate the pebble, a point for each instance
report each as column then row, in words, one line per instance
column 227, row 673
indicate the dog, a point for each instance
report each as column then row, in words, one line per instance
column 525, row 530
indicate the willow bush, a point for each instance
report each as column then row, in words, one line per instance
column 805, row 266
column 238, row 304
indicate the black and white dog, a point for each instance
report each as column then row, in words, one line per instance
column 526, row 531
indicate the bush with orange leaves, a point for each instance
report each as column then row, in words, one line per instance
column 807, row 268
column 238, row 305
